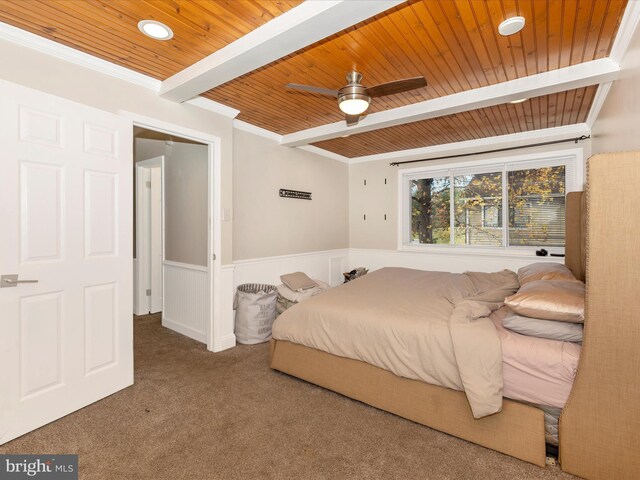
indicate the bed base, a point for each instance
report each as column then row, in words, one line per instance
column 517, row 431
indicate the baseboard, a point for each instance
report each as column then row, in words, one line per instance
column 228, row 341
column 223, row 326
column 185, row 330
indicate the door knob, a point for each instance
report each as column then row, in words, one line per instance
column 7, row 281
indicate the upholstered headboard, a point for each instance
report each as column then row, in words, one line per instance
column 575, row 225
column 600, row 424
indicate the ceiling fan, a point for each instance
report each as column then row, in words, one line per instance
column 354, row 98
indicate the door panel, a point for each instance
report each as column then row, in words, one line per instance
column 41, row 211
column 65, row 211
column 101, row 217
column 40, row 344
column 101, row 319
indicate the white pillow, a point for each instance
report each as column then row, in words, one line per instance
column 537, row 327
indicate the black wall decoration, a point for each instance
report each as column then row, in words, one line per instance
column 295, row 194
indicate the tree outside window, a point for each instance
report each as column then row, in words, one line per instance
column 535, row 206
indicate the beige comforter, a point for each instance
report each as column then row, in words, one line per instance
column 428, row 326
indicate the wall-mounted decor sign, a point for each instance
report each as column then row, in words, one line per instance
column 295, row 194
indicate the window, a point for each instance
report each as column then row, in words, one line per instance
column 519, row 203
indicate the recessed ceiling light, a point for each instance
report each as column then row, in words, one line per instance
column 511, row 25
column 156, row 30
column 520, row 100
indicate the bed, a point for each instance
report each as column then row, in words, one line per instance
column 590, row 446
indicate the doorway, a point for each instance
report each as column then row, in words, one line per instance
column 149, row 237
column 172, row 231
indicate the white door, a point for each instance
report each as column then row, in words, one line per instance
column 149, row 235
column 156, row 238
column 66, row 191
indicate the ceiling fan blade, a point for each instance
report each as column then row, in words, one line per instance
column 398, row 86
column 309, row 88
column 352, row 120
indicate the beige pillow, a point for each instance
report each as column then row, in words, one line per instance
column 544, row 271
column 297, row 281
column 550, row 300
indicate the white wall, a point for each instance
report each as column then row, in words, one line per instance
column 375, row 199
column 267, row 225
column 617, row 127
column 186, row 198
column 58, row 77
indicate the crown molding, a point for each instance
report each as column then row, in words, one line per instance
column 213, row 106
column 261, row 132
column 44, row 45
column 470, row 146
column 628, row 26
column 63, row 52
column 598, row 102
column 325, row 153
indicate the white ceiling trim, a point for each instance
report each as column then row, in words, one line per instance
column 598, row 102
column 58, row 50
column 628, row 26
column 473, row 146
column 30, row 40
column 295, row 29
column 576, row 76
column 325, row 153
column 261, row 132
column 213, row 106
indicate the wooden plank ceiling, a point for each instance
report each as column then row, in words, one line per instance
column 564, row 108
column 453, row 43
column 108, row 29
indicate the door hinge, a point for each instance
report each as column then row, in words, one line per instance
column 148, row 184
column 214, row 256
column 148, row 292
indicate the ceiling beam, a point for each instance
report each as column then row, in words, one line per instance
column 473, row 146
column 576, row 76
column 295, row 29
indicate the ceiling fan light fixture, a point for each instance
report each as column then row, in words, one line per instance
column 354, row 103
column 155, row 30
column 511, row 25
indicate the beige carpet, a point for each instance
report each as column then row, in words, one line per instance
column 193, row 414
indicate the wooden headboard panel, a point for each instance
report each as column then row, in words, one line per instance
column 600, row 424
column 575, row 226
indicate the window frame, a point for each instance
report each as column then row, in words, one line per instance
column 572, row 159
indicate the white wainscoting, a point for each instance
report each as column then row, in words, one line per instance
column 186, row 305
column 327, row 266
column 456, row 262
